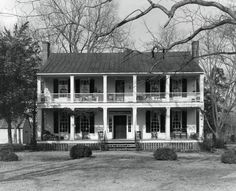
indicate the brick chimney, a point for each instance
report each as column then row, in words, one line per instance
column 45, row 51
column 195, row 49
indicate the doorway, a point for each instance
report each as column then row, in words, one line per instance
column 120, row 123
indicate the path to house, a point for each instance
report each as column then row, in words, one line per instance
column 116, row 170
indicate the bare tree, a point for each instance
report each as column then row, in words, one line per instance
column 73, row 25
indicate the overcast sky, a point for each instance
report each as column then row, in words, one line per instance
column 137, row 29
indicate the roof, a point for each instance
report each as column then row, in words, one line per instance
column 134, row 62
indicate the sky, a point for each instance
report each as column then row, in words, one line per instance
column 137, row 29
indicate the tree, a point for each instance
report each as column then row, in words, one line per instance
column 72, row 25
column 19, row 62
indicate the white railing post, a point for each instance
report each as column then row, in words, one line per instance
column 104, row 88
column 201, row 84
column 72, row 127
column 167, row 87
column 201, row 123
column 39, row 124
column 134, row 88
column 135, row 119
column 72, row 88
column 168, row 122
column 39, row 88
column 105, row 120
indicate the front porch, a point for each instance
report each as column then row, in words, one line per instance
column 144, row 124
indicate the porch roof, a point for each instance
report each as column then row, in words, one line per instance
column 134, row 62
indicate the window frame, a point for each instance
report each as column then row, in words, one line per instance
column 174, row 123
column 155, row 119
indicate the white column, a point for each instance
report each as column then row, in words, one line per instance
column 72, row 127
column 39, row 88
column 168, row 123
column 201, row 123
column 135, row 119
column 167, row 87
column 134, row 88
column 72, row 88
column 105, row 120
column 39, row 124
column 201, row 85
column 105, row 88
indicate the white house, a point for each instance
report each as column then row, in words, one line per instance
column 120, row 95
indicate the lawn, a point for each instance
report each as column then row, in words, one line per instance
column 116, row 170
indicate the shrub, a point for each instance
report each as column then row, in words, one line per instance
column 206, row 145
column 232, row 138
column 229, row 157
column 219, row 144
column 8, row 156
column 79, row 151
column 194, row 136
column 165, row 154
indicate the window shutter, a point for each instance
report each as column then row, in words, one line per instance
column 163, row 84
column 184, row 121
column 77, row 124
column 197, row 85
column 69, row 86
column 148, row 120
column 197, row 120
column 68, row 123
column 147, row 85
column 91, row 86
column 171, row 129
column 163, row 123
column 77, row 86
column 91, row 122
column 55, row 86
column 184, row 87
column 56, row 121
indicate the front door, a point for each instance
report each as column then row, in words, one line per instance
column 120, row 127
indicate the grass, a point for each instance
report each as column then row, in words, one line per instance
column 116, row 170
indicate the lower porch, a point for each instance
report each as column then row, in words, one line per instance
column 115, row 124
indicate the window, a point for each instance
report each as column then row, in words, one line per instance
column 177, row 87
column 63, row 88
column 84, row 123
column 129, row 123
column 176, row 120
column 64, row 122
column 155, row 86
column 110, row 124
column 84, row 86
column 155, row 121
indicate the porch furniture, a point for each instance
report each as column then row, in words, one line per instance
column 154, row 135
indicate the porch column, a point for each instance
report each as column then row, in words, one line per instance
column 134, row 87
column 72, row 88
column 201, row 85
column 72, row 127
column 39, row 88
column 105, row 88
column 201, row 124
column 39, row 124
column 167, row 87
column 135, row 119
column 168, row 123
column 105, row 120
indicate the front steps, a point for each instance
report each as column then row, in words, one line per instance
column 121, row 145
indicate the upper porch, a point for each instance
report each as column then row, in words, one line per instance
column 67, row 89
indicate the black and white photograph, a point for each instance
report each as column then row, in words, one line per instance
column 117, row 95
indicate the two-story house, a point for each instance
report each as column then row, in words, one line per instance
column 119, row 95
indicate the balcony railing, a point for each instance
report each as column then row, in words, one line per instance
column 88, row 97
column 120, row 97
column 141, row 97
column 151, row 97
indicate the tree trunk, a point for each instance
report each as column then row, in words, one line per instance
column 15, row 135
column 34, row 113
column 9, row 131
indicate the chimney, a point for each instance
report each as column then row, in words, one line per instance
column 45, row 51
column 195, row 49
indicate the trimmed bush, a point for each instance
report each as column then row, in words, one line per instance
column 206, row 145
column 8, row 156
column 229, row 157
column 79, row 151
column 219, row 144
column 165, row 154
